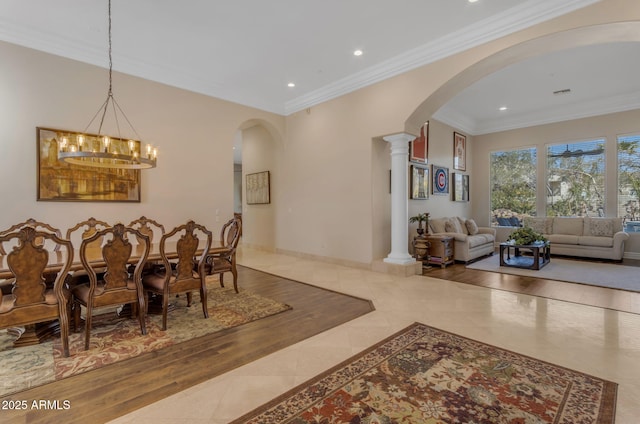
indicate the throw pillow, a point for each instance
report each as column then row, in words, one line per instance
column 449, row 227
column 472, row 227
column 601, row 227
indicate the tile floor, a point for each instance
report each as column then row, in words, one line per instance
column 596, row 341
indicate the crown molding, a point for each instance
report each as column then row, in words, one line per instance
column 596, row 107
column 514, row 19
column 510, row 21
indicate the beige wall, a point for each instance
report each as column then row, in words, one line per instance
column 329, row 168
column 194, row 134
column 605, row 126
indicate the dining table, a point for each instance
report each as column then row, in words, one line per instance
column 37, row 333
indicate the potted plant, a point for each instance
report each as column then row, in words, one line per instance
column 526, row 235
column 420, row 218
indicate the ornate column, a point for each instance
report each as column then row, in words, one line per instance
column 399, row 199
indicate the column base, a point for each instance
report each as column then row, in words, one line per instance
column 399, row 269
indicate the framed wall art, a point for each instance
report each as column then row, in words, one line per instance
column 440, row 181
column 419, row 150
column 258, row 190
column 459, row 152
column 419, row 183
column 459, row 187
column 61, row 181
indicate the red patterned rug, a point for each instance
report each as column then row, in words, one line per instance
column 115, row 339
column 426, row 375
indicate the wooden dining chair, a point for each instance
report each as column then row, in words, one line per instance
column 152, row 229
column 223, row 259
column 188, row 274
column 88, row 227
column 31, row 300
column 83, row 230
column 41, row 226
column 149, row 227
column 118, row 286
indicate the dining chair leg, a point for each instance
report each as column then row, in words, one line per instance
column 165, row 307
column 140, row 306
column 64, row 327
column 234, row 271
column 203, row 298
column 87, row 324
column 221, row 279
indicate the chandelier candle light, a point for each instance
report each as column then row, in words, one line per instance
column 100, row 151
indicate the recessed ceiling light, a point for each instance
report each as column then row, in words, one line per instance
column 503, row 108
column 291, row 85
column 357, row 52
column 472, row 1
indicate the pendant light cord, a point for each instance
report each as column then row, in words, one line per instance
column 110, row 97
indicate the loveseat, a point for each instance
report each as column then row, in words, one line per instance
column 582, row 236
column 471, row 241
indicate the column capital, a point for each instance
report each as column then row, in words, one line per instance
column 400, row 137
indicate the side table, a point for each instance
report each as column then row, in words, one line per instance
column 441, row 250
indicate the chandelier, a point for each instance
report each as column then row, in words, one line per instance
column 101, row 151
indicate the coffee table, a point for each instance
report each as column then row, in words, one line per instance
column 539, row 257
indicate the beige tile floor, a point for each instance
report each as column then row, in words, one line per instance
column 597, row 341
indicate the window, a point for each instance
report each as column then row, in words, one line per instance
column 629, row 181
column 513, row 185
column 575, row 179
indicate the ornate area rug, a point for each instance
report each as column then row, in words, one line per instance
column 115, row 339
column 426, row 375
column 611, row 275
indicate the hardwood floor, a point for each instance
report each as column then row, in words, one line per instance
column 112, row 391
column 620, row 300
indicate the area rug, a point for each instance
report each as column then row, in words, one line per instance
column 115, row 339
column 425, row 375
column 611, row 275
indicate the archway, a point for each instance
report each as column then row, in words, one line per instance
column 578, row 37
column 583, row 36
column 260, row 146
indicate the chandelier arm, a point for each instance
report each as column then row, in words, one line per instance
column 115, row 115
column 126, row 119
column 102, row 108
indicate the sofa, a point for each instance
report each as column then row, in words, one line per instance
column 587, row 237
column 470, row 241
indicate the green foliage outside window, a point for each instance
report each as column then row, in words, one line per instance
column 513, row 183
column 575, row 179
column 629, row 177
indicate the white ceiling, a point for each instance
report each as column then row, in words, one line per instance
column 246, row 51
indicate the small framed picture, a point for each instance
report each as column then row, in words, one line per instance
column 258, row 189
column 419, row 151
column 419, row 183
column 440, row 183
column 460, row 187
column 459, row 152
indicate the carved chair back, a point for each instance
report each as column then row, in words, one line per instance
column 187, row 246
column 148, row 227
column 230, row 233
column 32, row 300
column 88, row 228
column 43, row 226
